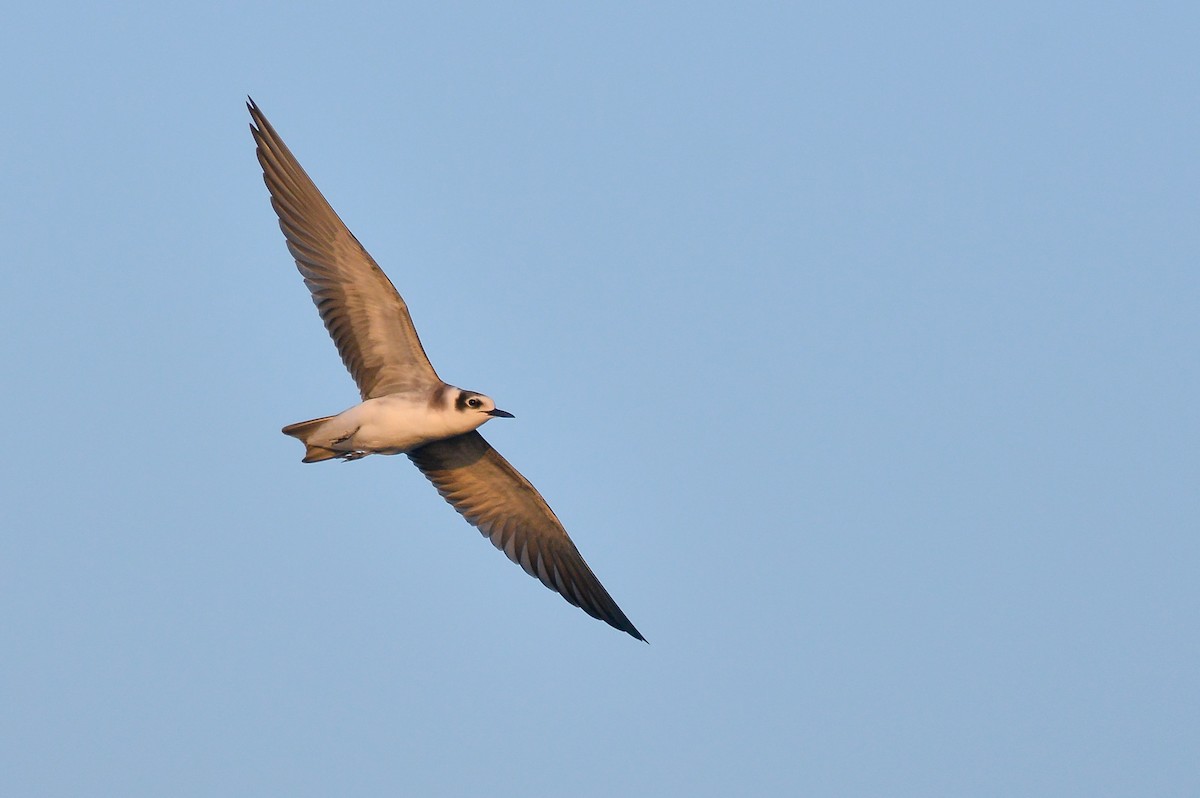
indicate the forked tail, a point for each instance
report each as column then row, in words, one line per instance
column 301, row 430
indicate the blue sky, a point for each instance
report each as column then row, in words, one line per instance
column 855, row 345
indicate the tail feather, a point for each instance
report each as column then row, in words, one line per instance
column 301, row 430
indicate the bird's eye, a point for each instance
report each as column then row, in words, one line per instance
column 473, row 403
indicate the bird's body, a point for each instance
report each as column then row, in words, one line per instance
column 406, row 408
column 395, row 423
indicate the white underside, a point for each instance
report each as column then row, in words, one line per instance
column 393, row 424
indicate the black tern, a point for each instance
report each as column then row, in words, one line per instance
column 406, row 408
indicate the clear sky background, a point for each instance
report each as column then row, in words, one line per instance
column 855, row 344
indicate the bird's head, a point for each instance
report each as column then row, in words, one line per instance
column 476, row 404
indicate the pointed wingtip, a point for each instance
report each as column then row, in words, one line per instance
column 255, row 115
column 621, row 623
column 616, row 618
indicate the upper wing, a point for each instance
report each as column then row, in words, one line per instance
column 364, row 314
column 493, row 496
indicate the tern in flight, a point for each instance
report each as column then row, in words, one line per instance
column 406, row 408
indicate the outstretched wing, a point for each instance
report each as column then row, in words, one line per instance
column 506, row 508
column 364, row 314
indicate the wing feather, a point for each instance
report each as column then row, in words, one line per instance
column 363, row 312
column 508, row 510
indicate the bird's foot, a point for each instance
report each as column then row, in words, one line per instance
column 348, row 456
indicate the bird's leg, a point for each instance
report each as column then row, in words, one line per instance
column 348, row 456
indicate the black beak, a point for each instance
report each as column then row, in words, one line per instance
column 500, row 414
